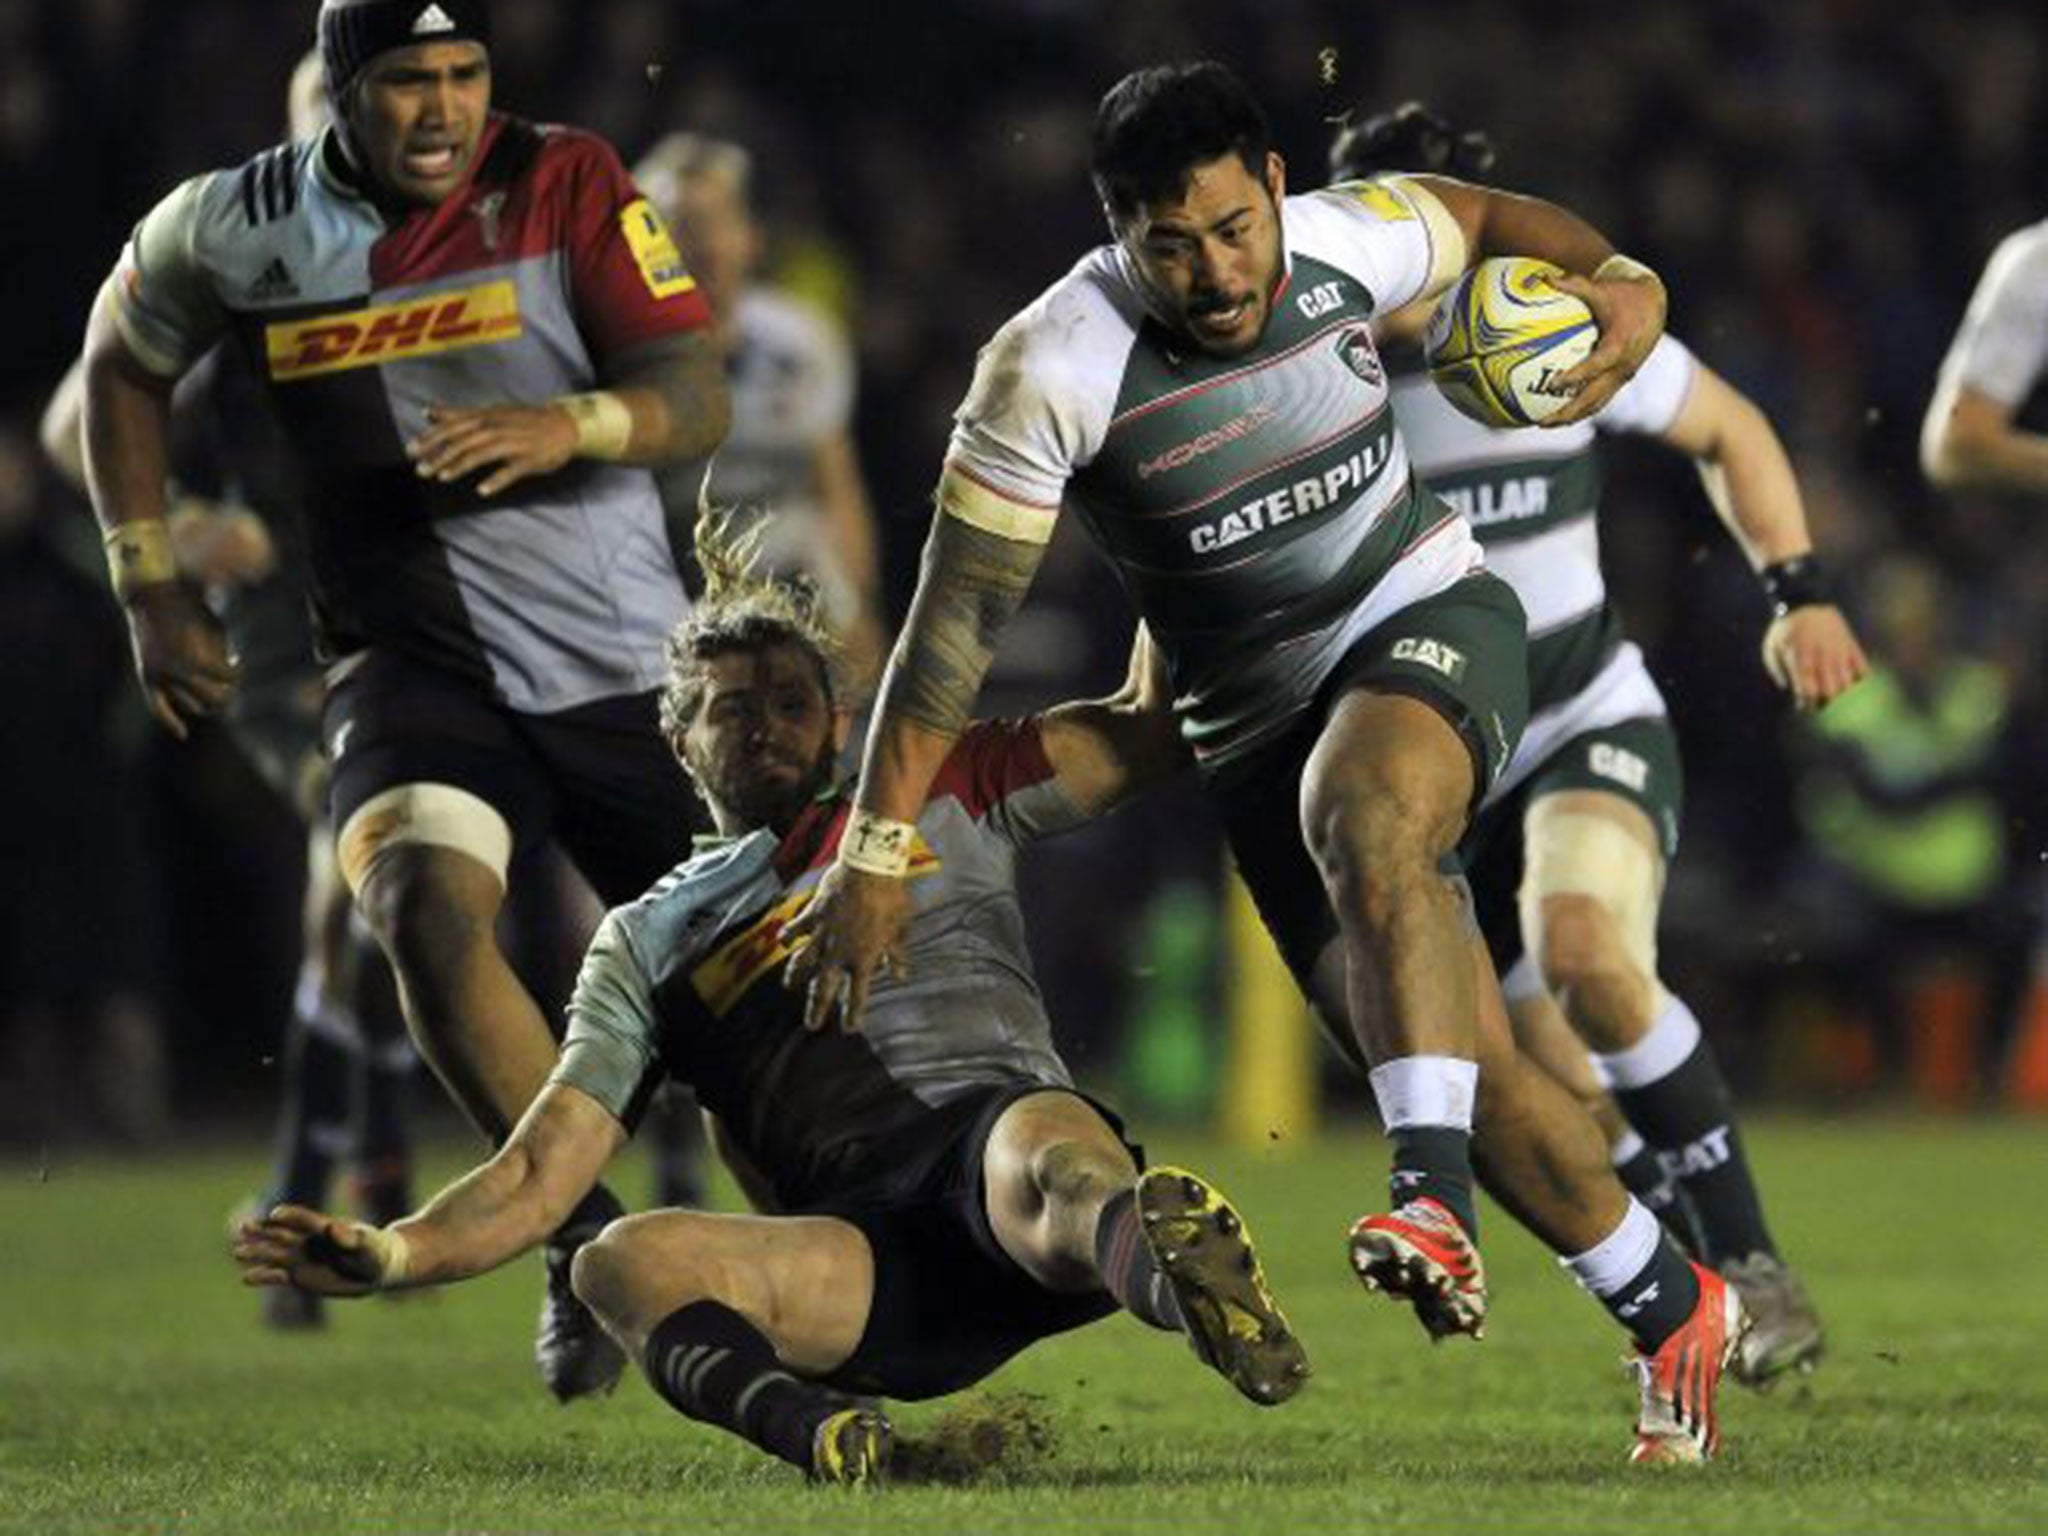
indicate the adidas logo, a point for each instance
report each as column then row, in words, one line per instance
column 274, row 282
column 432, row 19
column 1633, row 1307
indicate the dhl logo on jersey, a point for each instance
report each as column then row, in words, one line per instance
column 387, row 333
column 722, row 979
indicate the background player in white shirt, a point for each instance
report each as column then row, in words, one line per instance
column 1987, row 426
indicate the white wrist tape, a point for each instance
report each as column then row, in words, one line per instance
column 1625, row 268
column 876, row 845
column 604, row 423
column 392, row 1253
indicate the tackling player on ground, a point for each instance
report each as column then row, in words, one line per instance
column 477, row 337
column 1585, row 817
column 1205, row 394
column 941, row 1196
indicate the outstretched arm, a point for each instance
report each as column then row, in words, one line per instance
column 1810, row 649
column 1627, row 299
column 491, row 1214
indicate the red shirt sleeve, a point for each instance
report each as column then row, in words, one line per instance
column 628, row 281
column 992, row 760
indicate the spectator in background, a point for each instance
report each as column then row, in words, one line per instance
column 1904, row 798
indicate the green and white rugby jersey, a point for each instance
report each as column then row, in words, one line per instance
column 1259, row 509
column 1532, row 495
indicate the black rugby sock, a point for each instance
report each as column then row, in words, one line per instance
column 1654, row 1303
column 1643, row 1175
column 593, row 1213
column 711, row 1364
column 1640, row 1277
column 1688, row 1115
column 313, row 1126
column 1129, row 1272
column 1435, row 1162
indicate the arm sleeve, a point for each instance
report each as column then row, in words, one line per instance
column 2001, row 350
column 1000, row 774
column 1650, row 402
column 165, row 304
column 1381, row 232
column 609, row 1051
column 628, row 282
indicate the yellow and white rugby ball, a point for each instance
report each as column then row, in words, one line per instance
column 1500, row 338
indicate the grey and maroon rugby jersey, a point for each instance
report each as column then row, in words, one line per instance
column 518, row 287
column 1259, row 509
column 687, row 981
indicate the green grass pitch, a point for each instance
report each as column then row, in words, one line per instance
column 137, row 1392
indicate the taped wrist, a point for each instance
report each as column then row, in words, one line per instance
column 392, row 1253
column 1795, row 583
column 1624, row 268
column 876, row 845
column 140, row 554
column 604, row 423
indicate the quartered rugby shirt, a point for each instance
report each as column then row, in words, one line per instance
column 1259, row 509
column 514, row 289
column 687, row 981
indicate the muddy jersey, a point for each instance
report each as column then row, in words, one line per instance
column 687, row 981
column 517, row 288
column 1532, row 495
column 791, row 377
column 1259, row 509
column 2001, row 349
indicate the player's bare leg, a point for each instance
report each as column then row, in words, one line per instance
column 434, row 911
column 730, row 1315
column 1385, row 796
column 1594, row 881
column 1067, row 1204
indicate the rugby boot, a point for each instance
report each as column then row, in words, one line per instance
column 1419, row 1254
column 575, row 1355
column 851, row 1448
column 1784, row 1329
column 1205, row 1254
column 1678, row 1425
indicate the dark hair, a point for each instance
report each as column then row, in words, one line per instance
column 1409, row 138
column 1156, row 125
column 741, row 614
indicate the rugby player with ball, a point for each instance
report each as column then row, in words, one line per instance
column 1568, row 857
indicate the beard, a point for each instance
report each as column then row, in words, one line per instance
column 756, row 799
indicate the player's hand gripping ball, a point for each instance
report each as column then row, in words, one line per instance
column 1500, row 338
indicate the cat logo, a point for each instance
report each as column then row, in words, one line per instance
column 386, row 333
column 1618, row 764
column 1360, row 356
column 1434, row 654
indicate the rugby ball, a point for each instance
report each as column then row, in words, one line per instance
column 1501, row 336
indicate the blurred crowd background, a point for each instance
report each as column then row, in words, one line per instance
column 1855, row 908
